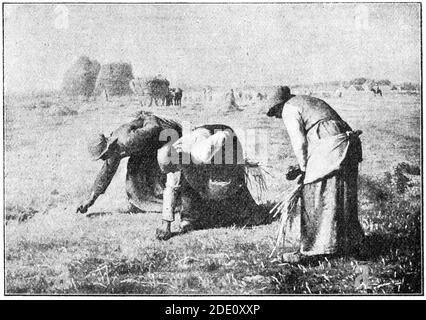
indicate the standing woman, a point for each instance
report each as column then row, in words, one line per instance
column 328, row 153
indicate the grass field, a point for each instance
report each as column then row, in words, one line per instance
column 52, row 250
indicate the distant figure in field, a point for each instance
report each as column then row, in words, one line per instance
column 248, row 96
column 207, row 92
column 260, row 96
column 338, row 93
column 104, row 92
column 377, row 91
column 230, row 100
column 210, row 94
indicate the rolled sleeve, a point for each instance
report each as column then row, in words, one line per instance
column 296, row 131
column 104, row 177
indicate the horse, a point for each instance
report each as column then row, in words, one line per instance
column 170, row 97
column 178, row 97
column 376, row 91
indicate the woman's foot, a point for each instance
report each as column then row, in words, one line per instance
column 186, row 226
column 292, row 257
column 164, row 232
column 132, row 209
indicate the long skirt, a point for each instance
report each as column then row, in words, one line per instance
column 144, row 181
column 212, row 187
column 329, row 207
column 216, row 195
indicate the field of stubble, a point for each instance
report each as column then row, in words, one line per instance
column 52, row 250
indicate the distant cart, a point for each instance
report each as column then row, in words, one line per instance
column 150, row 90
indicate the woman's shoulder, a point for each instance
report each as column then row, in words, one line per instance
column 300, row 100
column 304, row 101
column 296, row 103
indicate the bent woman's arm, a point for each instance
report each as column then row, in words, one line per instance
column 102, row 181
column 296, row 131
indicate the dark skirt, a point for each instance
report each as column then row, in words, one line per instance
column 329, row 207
column 228, row 204
column 144, row 181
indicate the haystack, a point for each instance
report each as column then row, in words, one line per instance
column 80, row 79
column 114, row 78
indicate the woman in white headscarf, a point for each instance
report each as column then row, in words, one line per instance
column 207, row 172
column 328, row 153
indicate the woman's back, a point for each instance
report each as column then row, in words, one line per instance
column 313, row 110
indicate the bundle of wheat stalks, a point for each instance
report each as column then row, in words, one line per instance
column 287, row 208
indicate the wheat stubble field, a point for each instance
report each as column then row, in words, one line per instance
column 49, row 249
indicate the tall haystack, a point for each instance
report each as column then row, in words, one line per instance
column 80, row 78
column 114, row 78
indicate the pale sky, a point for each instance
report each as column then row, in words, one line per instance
column 217, row 44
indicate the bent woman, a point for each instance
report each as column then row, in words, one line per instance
column 328, row 153
column 211, row 183
column 138, row 140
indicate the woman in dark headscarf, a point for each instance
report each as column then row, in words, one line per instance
column 139, row 140
column 328, row 153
